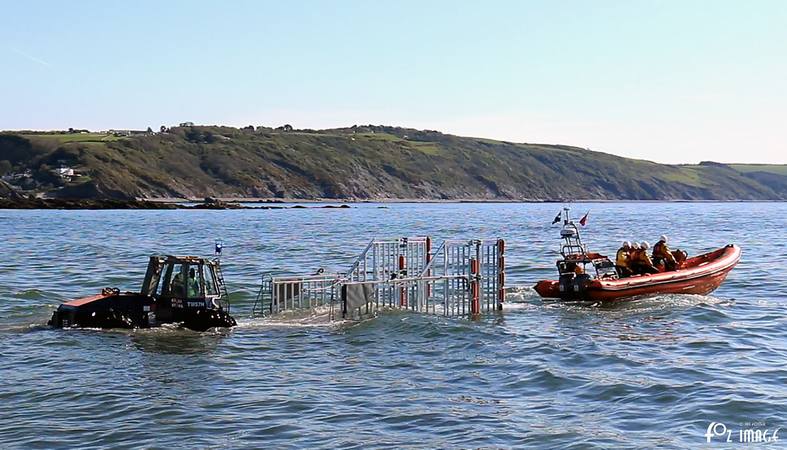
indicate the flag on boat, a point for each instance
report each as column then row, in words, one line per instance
column 584, row 219
column 557, row 218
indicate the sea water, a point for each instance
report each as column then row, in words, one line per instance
column 661, row 371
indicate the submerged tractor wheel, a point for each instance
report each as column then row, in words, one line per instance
column 204, row 319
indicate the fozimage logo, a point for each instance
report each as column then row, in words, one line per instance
column 750, row 432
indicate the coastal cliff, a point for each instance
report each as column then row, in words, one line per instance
column 355, row 163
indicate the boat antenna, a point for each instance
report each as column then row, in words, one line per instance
column 572, row 239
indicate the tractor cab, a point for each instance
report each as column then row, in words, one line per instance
column 185, row 282
column 187, row 289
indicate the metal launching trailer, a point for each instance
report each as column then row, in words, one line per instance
column 458, row 278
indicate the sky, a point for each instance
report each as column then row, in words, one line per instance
column 667, row 81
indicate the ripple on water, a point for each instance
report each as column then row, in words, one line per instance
column 650, row 373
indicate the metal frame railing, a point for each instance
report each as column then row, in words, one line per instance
column 282, row 293
column 460, row 278
column 389, row 258
column 416, row 294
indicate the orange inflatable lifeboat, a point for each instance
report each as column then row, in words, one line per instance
column 586, row 276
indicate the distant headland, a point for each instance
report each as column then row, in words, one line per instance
column 117, row 168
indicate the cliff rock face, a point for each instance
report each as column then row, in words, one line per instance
column 7, row 191
column 362, row 162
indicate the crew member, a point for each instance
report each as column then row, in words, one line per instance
column 623, row 260
column 574, row 267
column 192, row 285
column 663, row 255
column 641, row 262
column 633, row 257
column 176, row 286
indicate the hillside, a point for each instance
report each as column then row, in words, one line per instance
column 361, row 162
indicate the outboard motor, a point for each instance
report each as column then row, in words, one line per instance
column 571, row 284
column 566, row 285
column 580, row 282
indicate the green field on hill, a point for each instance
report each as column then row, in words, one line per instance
column 362, row 162
column 779, row 169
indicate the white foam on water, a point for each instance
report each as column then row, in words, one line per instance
column 520, row 294
column 665, row 301
column 316, row 317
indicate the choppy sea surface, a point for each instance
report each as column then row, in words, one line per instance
column 653, row 372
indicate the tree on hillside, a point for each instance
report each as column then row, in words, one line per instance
column 285, row 127
column 163, row 129
column 150, row 130
column 5, row 166
column 193, row 135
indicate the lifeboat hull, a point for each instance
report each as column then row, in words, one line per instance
column 700, row 275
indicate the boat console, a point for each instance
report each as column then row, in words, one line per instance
column 578, row 266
